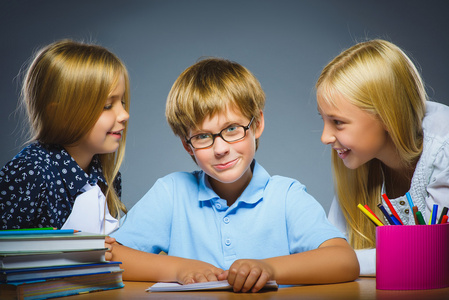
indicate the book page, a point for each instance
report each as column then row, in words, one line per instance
column 201, row 286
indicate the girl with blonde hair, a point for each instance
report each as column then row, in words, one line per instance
column 386, row 138
column 76, row 97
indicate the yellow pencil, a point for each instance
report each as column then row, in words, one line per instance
column 369, row 215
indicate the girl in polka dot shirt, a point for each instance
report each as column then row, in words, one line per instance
column 76, row 97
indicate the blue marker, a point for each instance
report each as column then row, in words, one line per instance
column 409, row 198
column 384, row 211
column 434, row 214
column 395, row 220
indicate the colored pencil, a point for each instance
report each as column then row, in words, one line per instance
column 421, row 220
column 390, row 206
column 387, row 216
column 415, row 209
column 433, row 217
column 443, row 213
column 369, row 209
column 370, row 216
column 444, row 219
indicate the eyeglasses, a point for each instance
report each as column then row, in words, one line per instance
column 230, row 134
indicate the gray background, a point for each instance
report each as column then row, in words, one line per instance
column 284, row 43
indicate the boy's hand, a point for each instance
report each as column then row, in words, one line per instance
column 193, row 271
column 248, row 275
column 108, row 243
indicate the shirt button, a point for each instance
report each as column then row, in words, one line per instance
column 226, row 220
column 407, row 211
column 402, row 202
column 218, row 205
column 228, row 242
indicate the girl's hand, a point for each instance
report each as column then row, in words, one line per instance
column 109, row 243
column 248, row 275
column 193, row 271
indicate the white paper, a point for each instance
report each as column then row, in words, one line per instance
column 200, row 286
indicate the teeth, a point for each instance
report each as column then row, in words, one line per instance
column 341, row 151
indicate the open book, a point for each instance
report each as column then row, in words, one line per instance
column 201, row 286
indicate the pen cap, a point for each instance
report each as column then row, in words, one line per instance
column 412, row 257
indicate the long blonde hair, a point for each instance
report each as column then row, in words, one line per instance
column 378, row 77
column 64, row 92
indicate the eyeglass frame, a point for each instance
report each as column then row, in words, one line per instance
column 214, row 135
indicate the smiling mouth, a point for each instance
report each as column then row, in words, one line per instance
column 226, row 165
column 119, row 132
column 342, row 151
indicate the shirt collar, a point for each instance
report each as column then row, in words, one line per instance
column 252, row 193
column 73, row 176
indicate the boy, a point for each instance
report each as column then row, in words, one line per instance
column 231, row 215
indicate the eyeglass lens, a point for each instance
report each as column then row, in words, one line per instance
column 229, row 134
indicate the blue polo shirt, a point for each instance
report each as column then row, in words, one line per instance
column 184, row 217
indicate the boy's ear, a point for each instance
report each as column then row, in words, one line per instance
column 259, row 126
column 187, row 146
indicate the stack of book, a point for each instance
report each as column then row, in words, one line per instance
column 41, row 264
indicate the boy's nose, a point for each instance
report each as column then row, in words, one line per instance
column 221, row 147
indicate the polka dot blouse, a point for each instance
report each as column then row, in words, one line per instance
column 38, row 187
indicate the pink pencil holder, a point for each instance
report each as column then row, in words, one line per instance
column 412, row 257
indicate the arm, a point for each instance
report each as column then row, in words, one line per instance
column 317, row 266
column 143, row 266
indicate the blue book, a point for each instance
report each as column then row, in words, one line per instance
column 63, row 286
column 36, row 231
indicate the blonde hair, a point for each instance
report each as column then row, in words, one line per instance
column 378, row 77
column 64, row 93
column 209, row 87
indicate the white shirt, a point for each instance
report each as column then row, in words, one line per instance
column 90, row 212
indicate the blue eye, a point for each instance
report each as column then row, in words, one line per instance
column 231, row 128
column 233, row 131
column 202, row 136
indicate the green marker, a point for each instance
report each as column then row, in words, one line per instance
column 420, row 218
column 21, row 229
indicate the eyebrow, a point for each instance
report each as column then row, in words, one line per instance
column 329, row 115
column 227, row 124
column 111, row 96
